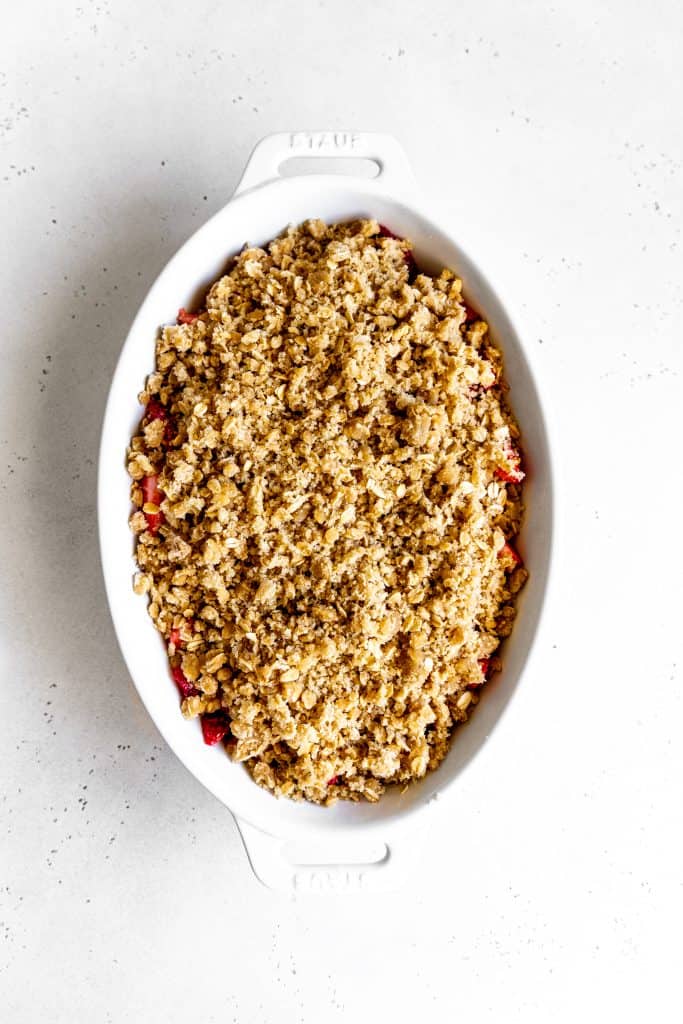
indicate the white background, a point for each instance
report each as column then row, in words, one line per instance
column 551, row 139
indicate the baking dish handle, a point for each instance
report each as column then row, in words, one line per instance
column 331, row 865
column 395, row 174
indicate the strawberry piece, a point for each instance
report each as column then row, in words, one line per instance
column 152, row 494
column 485, row 666
column 185, row 687
column 186, row 318
column 334, row 781
column 471, row 315
column 508, row 552
column 150, row 490
column 510, row 476
column 386, row 232
column 215, row 727
column 155, row 410
column 515, row 474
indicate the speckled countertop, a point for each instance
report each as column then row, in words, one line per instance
column 550, row 888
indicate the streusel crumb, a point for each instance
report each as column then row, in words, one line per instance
column 326, row 483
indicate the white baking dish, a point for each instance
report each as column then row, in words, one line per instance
column 263, row 204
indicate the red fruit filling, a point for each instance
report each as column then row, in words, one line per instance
column 507, row 551
column 156, row 411
column 186, row 318
column 334, row 781
column 471, row 315
column 185, row 687
column 484, row 665
column 175, row 638
column 515, row 474
column 152, row 495
column 511, row 476
column 150, row 489
column 215, row 727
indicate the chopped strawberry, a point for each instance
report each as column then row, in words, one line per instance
column 386, row 232
column 508, row 552
column 485, row 665
column 155, row 410
column 515, row 474
column 215, row 727
column 154, row 521
column 334, row 781
column 510, row 476
column 150, row 489
column 186, row 318
column 186, row 688
column 152, row 495
column 471, row 315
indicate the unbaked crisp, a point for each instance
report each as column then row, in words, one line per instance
column 326, row 483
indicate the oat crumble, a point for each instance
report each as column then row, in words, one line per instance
column 326, row 484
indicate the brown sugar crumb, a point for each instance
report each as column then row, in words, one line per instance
column 324, row 534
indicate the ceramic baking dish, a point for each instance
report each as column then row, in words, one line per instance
column 298, row 845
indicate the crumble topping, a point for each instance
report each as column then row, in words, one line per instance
column 326, row 484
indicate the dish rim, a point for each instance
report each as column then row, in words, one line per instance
column 274, row 191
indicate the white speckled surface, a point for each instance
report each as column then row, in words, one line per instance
column 551, row 884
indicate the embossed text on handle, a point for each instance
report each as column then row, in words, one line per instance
column 328, row 881
column 312, row 142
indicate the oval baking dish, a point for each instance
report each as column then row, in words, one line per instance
column 263, row 205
